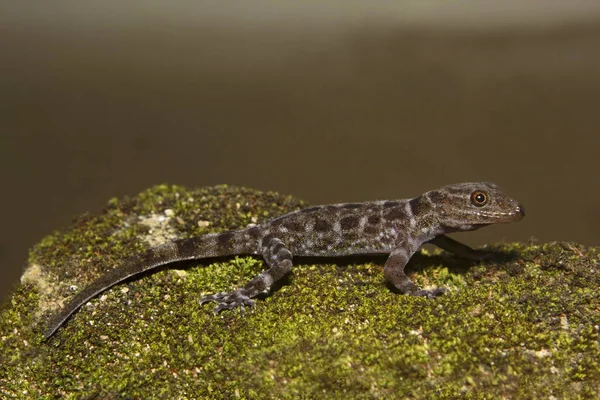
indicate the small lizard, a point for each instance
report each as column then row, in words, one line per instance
column 394, row 227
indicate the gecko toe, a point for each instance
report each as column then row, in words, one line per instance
column 212, row 297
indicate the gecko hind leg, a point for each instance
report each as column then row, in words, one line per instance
column 279, row 259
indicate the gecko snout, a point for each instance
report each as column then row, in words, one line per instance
column 520, row 211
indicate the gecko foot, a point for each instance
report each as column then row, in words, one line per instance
column 430, row 294
column 228, row 301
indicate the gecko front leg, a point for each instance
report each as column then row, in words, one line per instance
column 393, row 271
column 279, row 259
column 460, row 249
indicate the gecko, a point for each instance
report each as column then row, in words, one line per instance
column 394, row 227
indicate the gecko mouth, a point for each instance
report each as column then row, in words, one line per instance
column 515, row 214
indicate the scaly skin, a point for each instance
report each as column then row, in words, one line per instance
column 397, row 228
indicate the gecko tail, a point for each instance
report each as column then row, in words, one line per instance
column 208, row 246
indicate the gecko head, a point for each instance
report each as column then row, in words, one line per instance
column 468, row 206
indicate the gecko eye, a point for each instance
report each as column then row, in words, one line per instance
column 479, row 198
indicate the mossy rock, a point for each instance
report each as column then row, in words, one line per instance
column 525, row 326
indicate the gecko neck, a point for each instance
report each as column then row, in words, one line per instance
column 424, row 224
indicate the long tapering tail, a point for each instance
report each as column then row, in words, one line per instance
column 208, row 246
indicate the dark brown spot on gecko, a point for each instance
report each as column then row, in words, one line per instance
column 371, row 229
column 225, row 238
column 254, row 232
column 150, row 256
column 395, row 213
column 351, row 206
column 294, row 226
column 349, row 223
column 454, row 191
column 374, row 219
column 321, row 225
column 435, row 197
column 185, row 247
column 390, row 203
column 416, row 206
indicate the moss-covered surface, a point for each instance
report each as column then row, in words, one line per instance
column 526, row 327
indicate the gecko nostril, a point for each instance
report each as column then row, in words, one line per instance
column 520, row 210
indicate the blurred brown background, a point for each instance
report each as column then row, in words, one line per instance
column 329, row 101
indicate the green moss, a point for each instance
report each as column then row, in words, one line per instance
column 524, row 327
